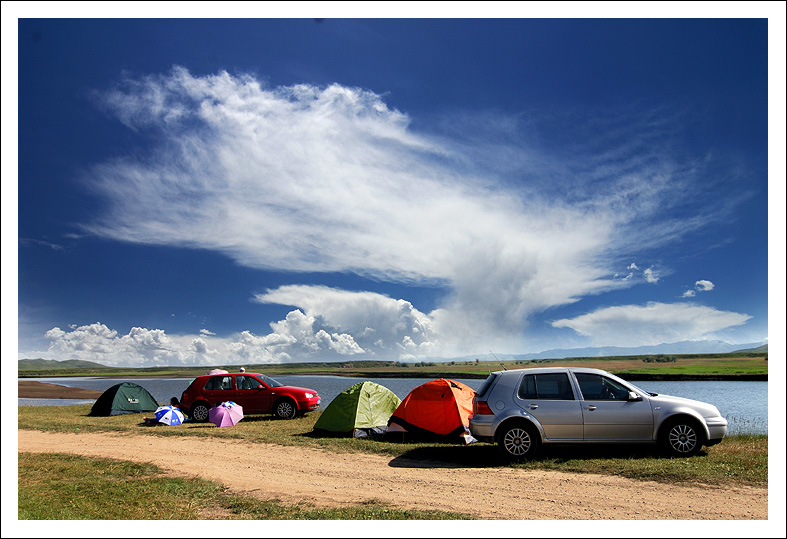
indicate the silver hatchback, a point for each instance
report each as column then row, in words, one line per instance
column 522, row 409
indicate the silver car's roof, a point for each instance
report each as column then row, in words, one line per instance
column 546, row 370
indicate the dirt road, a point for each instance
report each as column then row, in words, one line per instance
column 330, row 479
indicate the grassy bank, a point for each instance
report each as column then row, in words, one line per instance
column 692, row 365
column 70, row 487
column 741, row 460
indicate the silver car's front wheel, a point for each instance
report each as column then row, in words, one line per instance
column 517, row 442
column 682, row 439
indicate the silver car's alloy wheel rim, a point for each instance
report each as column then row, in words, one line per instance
column 284, row 409
column 517, row 441
column 682, row 438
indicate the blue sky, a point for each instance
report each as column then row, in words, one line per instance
column 236, row 191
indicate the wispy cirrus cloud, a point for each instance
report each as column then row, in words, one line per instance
column 330, row 179
column 654, row 323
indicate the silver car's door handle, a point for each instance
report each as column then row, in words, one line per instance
column 532, row 406
column 591, row 408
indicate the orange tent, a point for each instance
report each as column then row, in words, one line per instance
column 440, row 407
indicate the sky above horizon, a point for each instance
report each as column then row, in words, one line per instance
column 244, row 191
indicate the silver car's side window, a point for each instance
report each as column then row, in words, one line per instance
column 552, row 386
column 597, row 387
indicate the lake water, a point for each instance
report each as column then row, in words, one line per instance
column 744, row 404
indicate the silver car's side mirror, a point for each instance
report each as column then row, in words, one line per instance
column 634, row 396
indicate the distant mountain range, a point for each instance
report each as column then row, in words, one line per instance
column 685, row 347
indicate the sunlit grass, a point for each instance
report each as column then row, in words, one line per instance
column 738, row 459
column 69, row 487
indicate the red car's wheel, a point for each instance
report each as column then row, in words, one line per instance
column 199, row 412
column 285, row 409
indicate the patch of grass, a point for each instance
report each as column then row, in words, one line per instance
column 55, row 486
column 739, row 459
column 70, row 487
column 707, row 369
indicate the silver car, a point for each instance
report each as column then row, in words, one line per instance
column 521, row 409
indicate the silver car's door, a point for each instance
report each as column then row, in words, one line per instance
column 550, row 399
column 608, row 414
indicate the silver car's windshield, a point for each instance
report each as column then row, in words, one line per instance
column 640, row 390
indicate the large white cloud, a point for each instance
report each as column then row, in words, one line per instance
column 296, row 338
column 357, row 322
column 140, row 347
column 331, row 179
column 363, row 325
column 654, row 323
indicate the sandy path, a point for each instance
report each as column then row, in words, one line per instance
column 328, row 479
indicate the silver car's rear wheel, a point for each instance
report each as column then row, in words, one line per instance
column 682, row 438
column 517, row 442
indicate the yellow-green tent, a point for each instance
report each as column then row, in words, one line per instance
column 359, row 410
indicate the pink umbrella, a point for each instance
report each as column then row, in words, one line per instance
column 226, row 414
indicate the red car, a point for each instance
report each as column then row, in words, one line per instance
column 256, row 393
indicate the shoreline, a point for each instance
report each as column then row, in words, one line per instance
column 629, row 377
column 42, row 390
column 28, row 389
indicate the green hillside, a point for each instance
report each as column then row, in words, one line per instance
column 38, row 364
column 759, row 350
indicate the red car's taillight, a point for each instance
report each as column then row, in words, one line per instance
column 481, row 408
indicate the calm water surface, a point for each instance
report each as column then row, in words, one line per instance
column 744, row 404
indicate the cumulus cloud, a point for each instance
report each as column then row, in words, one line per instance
column 700, row 286
column 330, row 179
column 704, row 286
column 141, row 346
column 654, row 323
column 650, row 275
column 356, row 322
column 298, row 337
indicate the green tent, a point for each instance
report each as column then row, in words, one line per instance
column 123, row 399
column 359, row 410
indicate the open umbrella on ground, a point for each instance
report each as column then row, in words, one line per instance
column 169, row 415
column 226, row 414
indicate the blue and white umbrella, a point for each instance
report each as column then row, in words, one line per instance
column 169, row 415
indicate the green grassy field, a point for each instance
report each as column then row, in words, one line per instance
column 740, row 460
column 69, row 487
column 674, row 365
